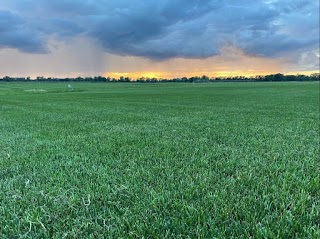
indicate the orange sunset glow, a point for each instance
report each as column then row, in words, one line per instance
column 170, row 75
column 215, row 66
column 135, row 75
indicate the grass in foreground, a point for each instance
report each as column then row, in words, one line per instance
column 235, row 160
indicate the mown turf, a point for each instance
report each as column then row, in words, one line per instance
column 224, row 160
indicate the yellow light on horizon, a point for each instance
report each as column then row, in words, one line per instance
column 170, row 75
column 135, row 75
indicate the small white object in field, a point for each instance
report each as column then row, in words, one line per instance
column 36, row 90
column 70, row 88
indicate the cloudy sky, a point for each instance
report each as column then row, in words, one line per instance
column 164, row 38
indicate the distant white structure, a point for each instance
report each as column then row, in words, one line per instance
column 70, row 88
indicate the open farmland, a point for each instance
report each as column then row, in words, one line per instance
column 224, row 160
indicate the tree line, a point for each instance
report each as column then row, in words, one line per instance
column 194, row 79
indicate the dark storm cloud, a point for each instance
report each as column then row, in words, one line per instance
column 165, row 29
column 14, row 33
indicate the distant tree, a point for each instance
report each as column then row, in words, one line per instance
column 204, row 78
column 7, row 78
column 141, row 79
column 184, row 79
column 268, row 78
column 40, row 78
column 100, row 79
column 315, row 75
column 278, row 77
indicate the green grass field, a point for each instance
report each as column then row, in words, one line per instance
column 221, row 160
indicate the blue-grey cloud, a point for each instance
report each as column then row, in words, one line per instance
column 14, row 33
column 165, row 29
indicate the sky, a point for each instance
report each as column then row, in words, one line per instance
column 152, row 38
